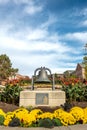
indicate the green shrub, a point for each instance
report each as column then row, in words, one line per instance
column 46, row 122
column 29, row 108
column 67, row 106
column 2, row 119
column 14, row 122
column 75, row 93
column 10, row 94
column 57, row 122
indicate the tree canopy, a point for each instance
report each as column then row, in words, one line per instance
column 85, row 63
column 85, row 60
column 6, row 69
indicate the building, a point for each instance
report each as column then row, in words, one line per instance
column 80, row 71
column 69, row 73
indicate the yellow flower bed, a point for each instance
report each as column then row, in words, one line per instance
column 46, row 115
column 85, row 115
column 74, row 116
column 77, row 113
column 65, row 117
column 2, row 112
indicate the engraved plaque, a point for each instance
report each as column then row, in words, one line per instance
column 42, row 99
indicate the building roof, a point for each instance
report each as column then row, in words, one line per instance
column 70, row 71
column 81, row 64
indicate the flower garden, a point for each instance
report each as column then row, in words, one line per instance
column 37, row 118
column 75, row 89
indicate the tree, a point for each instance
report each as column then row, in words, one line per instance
column 85, row 60
column 69, row 74
column 66, row 74
column 85, row 65
column 6, row 69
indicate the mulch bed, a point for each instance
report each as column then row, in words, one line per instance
column 7, row 107
column 10, row 107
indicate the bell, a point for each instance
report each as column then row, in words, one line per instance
column 42, row 76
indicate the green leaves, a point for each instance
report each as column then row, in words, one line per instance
column 2, row 119
column 6, row 69
column 46, row 122
column 57, row 122
column 75, row 93
column 15, row 122
column 10, row 94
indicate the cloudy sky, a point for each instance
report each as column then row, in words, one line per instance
column 50, row 33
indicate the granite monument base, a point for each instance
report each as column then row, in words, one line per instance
column 42, row 98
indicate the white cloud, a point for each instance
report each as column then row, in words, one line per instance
column 84, row 12
column 37, row 34
column 5, row 27
column 51, row 20
column 31, row 47
column 79, row 12
column 22, row 1
column 61, row 70
column 22, row 46
column 4, row 1
column 32, row 62
column 71, row 64
column 84, row 23
column 79, row 36
column 16, row 1
column 36, row 40
column 12, row 43
column 31, row 8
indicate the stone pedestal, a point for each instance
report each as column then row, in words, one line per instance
column 42, row 98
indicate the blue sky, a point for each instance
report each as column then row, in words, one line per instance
column 50, row 33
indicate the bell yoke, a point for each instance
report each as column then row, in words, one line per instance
column 42, row 77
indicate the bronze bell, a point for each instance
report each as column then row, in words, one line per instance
column 42, row 76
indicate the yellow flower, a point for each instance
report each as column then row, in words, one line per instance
column 2, row 112
column 21, row 113
column 85, row 115
column 36, row 111
column 8, row 118
column 28, row 118
column 46, row 115
column 65, row 117
column 77, row 113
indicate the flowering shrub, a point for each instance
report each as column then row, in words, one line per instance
column 78, row 114
column 10, row 94
column 65, row 117
column 46, row 122
column 36, row 117
column 23, row 81
column 75, row 88
column 85, row 115
column 65, row 81
column 75, row 92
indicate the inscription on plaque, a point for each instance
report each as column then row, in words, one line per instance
column 42, row 99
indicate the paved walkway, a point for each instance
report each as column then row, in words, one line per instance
column 74, row 127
